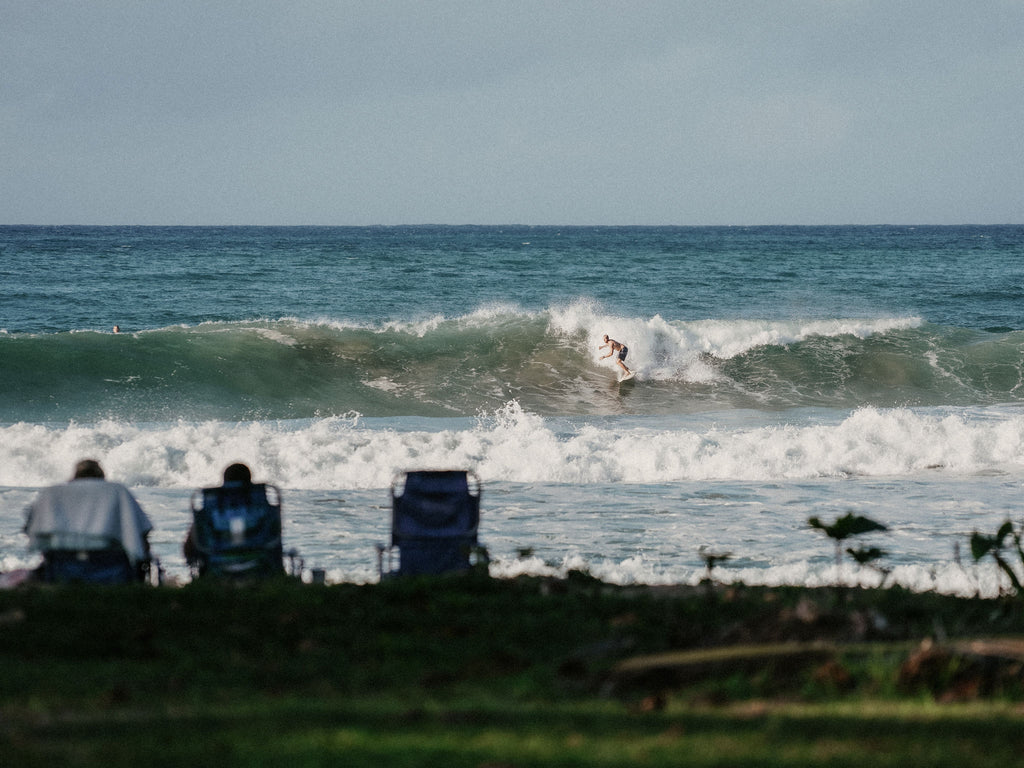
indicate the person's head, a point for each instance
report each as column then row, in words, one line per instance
column 117, row 329
column 88, row 468
column 606, row 337
column 237, row 473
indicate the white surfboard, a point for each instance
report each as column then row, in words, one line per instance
column 627, row 377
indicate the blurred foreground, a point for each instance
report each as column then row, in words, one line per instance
column 475, row 671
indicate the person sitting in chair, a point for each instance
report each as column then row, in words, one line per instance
column 87, row 527
column 234, row 474
column 236, row 528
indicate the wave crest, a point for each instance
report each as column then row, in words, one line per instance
column 457, row 366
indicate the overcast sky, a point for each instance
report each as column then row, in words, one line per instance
column 480, row 112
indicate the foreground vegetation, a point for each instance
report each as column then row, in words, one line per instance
column 527, row 672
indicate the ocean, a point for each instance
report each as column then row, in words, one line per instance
column 782, row 373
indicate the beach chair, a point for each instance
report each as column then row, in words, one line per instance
column 434, row 522
column 236, row 532
column 94, row 562
column 90, row 531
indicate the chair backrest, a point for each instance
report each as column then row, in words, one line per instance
column 236, row 530
column 434, row 521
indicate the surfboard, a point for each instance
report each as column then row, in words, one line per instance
column 627, row 377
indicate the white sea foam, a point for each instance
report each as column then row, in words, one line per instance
column 948, row 578
column 382, row 383
column 516, row 446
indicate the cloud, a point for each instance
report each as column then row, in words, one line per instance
column 494, row 112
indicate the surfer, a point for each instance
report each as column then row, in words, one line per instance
column 613, row 347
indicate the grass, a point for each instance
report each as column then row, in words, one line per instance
column 525, row 672
column 304, row 734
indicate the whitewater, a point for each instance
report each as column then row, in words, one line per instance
column 792, row 385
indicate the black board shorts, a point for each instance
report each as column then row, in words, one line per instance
column 622, row 353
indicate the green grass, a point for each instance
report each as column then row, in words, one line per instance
column 477, row 672
column 381, row 732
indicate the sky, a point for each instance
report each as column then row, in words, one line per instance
column 571, row 112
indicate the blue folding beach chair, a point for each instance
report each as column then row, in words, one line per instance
column 236, row 531
column 93, row 563
column 434, row 522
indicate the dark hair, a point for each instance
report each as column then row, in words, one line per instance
column 237, row 473
column 88, row 468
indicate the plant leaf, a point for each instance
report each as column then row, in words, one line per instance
column 1004, row 530
column 865, row 556
column 981, row 545
column 846, row 526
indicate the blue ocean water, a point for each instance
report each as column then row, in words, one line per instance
column 782, row 372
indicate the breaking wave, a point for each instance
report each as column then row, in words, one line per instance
column 460, row 366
